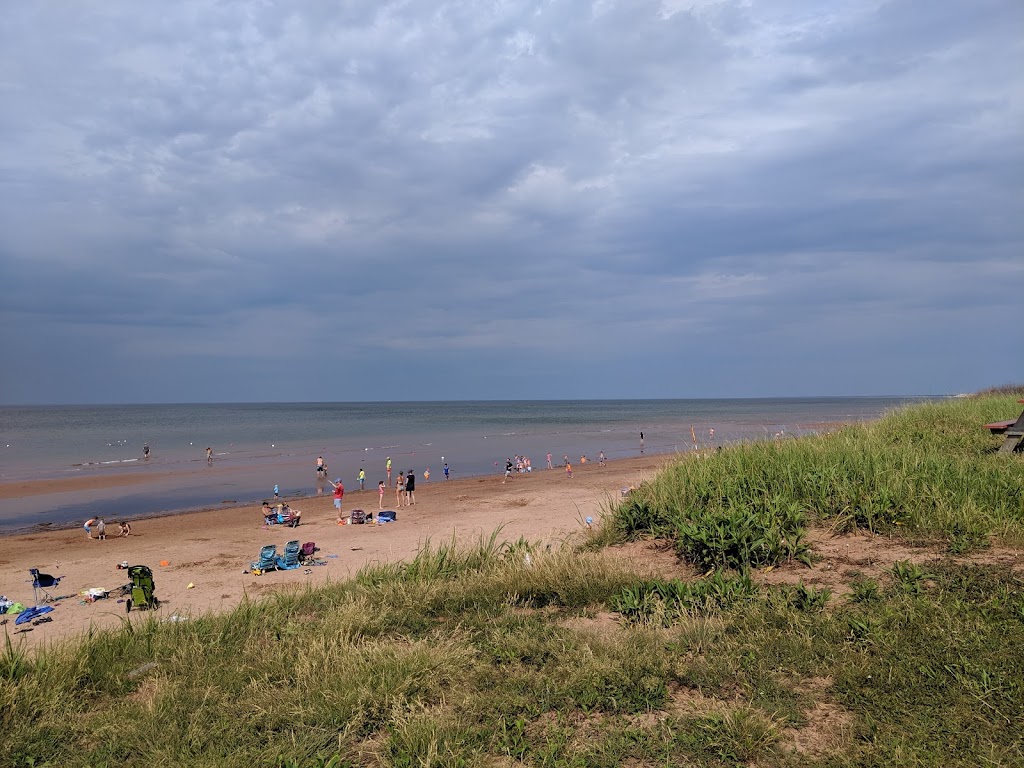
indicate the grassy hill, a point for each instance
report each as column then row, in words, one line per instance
column 503, row 655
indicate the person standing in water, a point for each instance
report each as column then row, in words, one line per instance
column 362, row 479
column 209, row 455
column 388, row 467
column 145, row 451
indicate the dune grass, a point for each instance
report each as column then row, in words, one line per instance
column 504, row 654
column 929, row 471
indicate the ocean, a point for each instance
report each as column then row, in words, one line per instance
column 256, row 446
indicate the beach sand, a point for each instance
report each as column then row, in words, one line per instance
column 211, row 550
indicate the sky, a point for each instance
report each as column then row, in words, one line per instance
column 349, row 201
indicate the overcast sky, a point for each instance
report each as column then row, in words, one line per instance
column 260, row 201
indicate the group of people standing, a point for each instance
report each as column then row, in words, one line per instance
column 405, row 485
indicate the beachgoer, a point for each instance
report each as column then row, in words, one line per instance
column 277, row 491
column 600, row 458
column 362, row 479
column 426, row 475
column 88, row 527
column 641, row 441
column 529, row 465
column 339, row 494
column 267, row 511
column 508, row 470
column 410, row 489
column 101, row 529
column 568, row 469
column 446, row 471
column 400, row 488
column 565, row 459
column 549, row 460
column 145, row 451
column 583, row 459
column 380, row 492
column 209, row 455
column 320, row 466
column 389, row 471
column 126, row 529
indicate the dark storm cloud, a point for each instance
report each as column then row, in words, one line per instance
column 359, row 200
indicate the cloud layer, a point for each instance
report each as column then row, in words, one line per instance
column 372, row 201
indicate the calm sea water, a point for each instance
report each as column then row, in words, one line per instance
column 258, row 445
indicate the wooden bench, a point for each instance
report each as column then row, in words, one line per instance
column 1013, row 430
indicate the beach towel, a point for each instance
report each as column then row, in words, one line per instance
column 386, row 516
column 32, row 613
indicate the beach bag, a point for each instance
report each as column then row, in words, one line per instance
column 15, row 608
column 358, row 517
column 387, row 516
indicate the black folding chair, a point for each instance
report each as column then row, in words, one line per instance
column 42, row 582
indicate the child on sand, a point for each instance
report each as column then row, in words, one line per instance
column 126, row 529
column 568, row 469
column 101, row 529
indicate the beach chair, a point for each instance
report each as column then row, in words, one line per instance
column 291, row 518
column 267, row 561
column 290, row 559
column 143, row 588
column 308, row 552
column 42, row 582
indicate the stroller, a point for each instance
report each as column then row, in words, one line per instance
column 142, row 587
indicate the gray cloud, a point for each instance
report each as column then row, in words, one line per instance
column 530, row 199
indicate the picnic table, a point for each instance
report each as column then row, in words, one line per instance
column 1013, row 430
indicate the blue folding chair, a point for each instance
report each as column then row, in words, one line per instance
column 268, row 559
column 290, row 559
column 42, row 582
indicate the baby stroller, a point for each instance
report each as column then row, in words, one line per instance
column 142, row 589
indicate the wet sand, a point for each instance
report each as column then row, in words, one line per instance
column 19, row 489
column 208, row 552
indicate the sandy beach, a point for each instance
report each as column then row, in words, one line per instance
column 208, row 552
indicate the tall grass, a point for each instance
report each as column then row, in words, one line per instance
column 929, row 470
column 925, row 671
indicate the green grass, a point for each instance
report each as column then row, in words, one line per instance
column 504, row 654
column 929, row 471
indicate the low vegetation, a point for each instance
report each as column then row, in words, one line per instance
column 928, row 471
column 503, row 655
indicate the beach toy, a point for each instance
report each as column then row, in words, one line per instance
column 165, row 563
column 190, row 586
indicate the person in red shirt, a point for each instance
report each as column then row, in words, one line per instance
column 339, row 494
